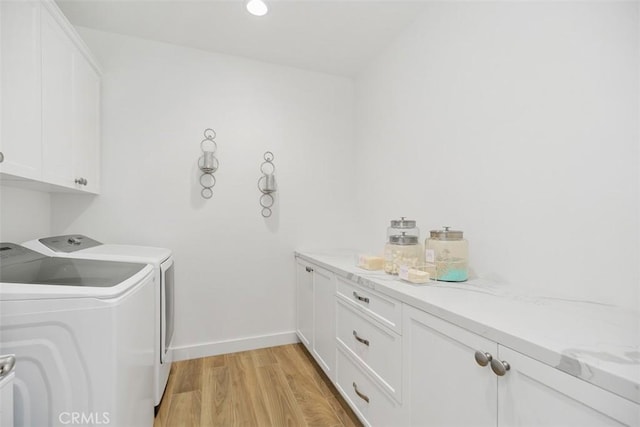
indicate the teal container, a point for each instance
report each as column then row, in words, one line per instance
column 449, row 251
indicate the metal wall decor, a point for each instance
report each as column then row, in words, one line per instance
column 267, row 184
column 208, row 163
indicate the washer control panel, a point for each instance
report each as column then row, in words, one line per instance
column 69, row 243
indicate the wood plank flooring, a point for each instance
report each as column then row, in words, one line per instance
column 277, row 386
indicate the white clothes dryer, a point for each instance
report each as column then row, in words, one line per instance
column 82, row 335
column 82, row 247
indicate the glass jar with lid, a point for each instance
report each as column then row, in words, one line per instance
column 449, row 251
column 402, row 225
column 403, row 246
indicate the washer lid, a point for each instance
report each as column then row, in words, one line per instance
column 69, row 272
column 24, row 266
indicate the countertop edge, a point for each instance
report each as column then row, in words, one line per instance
column 618, row 385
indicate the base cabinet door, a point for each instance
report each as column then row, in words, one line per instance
column 324, row 335
column 442, row 383
column 534, row 394
column 304, row 304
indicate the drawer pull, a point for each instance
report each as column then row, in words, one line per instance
column 362, row 340
column 309, row 270
column 359, row 298
column 360, row 395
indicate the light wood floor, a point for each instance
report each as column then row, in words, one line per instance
column 277, row 386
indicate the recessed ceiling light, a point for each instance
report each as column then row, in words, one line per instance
column 257, row 7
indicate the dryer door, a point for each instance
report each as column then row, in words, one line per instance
column 166, row 306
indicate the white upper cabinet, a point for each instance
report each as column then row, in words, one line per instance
column 50, row 101
column 57, row 102
column 20, row 127
column 86, row 120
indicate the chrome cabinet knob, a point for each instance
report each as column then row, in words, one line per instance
column 500, row 368
column 1, row 157
column 483, row 359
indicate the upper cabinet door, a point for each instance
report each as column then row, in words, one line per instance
column 20, row 140
column 57, row 103
column 86, row 120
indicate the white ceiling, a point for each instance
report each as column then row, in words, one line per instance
column 331, row 36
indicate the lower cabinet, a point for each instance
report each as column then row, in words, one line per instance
column 304, row 303
column 324, row 338
column 396, row 365
column 364, row 395
column 534, row 394
column 315, row 323
column 454, row 377
column 369, row 356
column 442, row 383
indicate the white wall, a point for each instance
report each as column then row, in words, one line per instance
column 518, row 124
column 235, row 270
column 24, row 214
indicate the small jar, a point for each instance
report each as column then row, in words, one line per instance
column 402, row 249
column 449, row 251
column 402, row 225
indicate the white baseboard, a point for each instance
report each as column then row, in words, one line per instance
column 231, row 346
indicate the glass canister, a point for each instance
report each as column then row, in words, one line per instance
column 449, row 251
column 403, row 246
column 402, row 225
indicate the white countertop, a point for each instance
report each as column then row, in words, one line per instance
column 596, row 342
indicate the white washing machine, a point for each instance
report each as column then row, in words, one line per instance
column 79, row 246
column 82, row 334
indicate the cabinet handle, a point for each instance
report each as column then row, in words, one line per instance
column 360, row 395
column 358, row 297
column 81, row 181
column 1, row 157
column 500, row 368
column 483, row 359
column 362, row 340
column 309, row 270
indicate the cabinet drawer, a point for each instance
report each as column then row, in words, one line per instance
column 384, row 309
column 370, row 403
column 375, row 346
